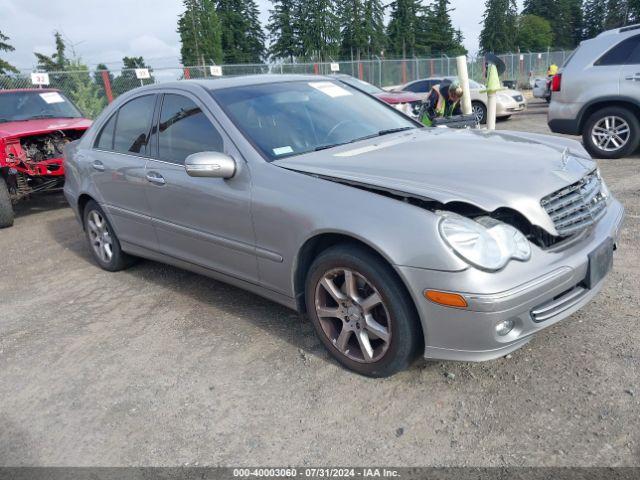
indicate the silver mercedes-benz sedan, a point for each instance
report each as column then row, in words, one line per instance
column 395, row 240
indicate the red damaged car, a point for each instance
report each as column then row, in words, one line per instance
column 407, row 102
column 35, row 125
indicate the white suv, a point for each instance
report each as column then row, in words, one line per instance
column 596, row 94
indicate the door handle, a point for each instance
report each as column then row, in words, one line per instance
column 634, row 78
column 98, row 165
column 156, row 178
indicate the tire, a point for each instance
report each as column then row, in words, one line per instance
column 619, row 119
column 6, row 209
column 342, row 335
column 480, row 111
column 99, row 232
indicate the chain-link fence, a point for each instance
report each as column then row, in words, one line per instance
column 92, row 90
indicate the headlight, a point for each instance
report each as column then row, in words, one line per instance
column 488, row 245
column 504, row 98
column 604, row 190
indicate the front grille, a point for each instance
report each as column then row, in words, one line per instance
column 577, row 206
column 518, row 98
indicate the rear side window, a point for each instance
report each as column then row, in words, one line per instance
column 104, row 141
column 132, row 127
column 184, row 129
column 624, row 53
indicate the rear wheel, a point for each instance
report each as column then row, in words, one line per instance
column 479, row 111
column 612, row 132
column 362, row 312
column 103, row 242
column 6, row 209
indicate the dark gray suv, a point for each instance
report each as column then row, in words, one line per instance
column 597, row 94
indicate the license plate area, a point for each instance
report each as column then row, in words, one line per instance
column 600, row 263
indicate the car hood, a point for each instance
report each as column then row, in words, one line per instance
column 42, row 125
column 490, row 170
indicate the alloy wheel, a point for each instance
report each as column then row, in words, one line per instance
column 99, row 236
column 353, row 315
column 478, row 113
column 611, row 133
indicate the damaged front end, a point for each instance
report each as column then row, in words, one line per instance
column 534, row 233
column 34, row 163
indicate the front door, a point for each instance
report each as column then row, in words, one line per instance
column 204, row 221
column 117, row 164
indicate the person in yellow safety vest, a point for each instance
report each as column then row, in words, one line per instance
column 443, row 101
column 553, row 70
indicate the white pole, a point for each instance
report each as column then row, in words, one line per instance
column 463, row 76
column 491, row 111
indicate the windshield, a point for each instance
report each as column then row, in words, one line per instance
column 19, row 106
column 291, row 118
column 361, row 85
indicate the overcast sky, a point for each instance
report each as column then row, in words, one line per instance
column 104, row 31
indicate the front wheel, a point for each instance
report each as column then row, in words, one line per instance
column 362, row 312
column 103, row 242
column 612, row 132
column 6, row 209
column 479, row 111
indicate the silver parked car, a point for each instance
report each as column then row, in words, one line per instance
column 394, row 239
column 596, row 94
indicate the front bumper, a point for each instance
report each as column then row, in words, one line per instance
column 505, row 109
column 549, row 287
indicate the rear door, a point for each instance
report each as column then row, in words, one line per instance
column 118, row 162
column 204, row 221
column 630, row 70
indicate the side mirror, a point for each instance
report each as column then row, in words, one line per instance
column 210, row 164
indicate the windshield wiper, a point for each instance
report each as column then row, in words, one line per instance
column 366, row 137
column 394, row 130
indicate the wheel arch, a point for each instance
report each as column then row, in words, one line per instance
column 83, row 199
column 322, row 241
column 606, row 102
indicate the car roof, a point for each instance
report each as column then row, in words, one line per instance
column 239, row 81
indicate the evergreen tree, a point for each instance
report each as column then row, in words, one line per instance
column 318, row 28
column 127, row 79
column 254, row 44
column 499, row 26
column 436, row 33
column 242, row 35
column 5, row 66
column 200, row 33
column 403, row 24
column 617, row 14
column 57, row 62
column 284, row 41
column 594, row 17
column 374, row 27
column 353, row 29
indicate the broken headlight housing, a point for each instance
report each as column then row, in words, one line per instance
column 484, row 243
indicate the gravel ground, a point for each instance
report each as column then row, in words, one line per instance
column 157, row 366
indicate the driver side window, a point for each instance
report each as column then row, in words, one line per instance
column 185, row 129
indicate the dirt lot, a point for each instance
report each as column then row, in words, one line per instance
column 157, row 366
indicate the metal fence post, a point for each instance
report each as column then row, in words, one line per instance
column 107, row 85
